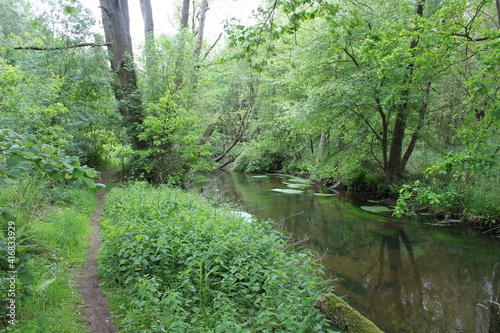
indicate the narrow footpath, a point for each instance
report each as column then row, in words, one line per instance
column 95, row 305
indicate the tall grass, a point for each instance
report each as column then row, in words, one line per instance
column 53, row 222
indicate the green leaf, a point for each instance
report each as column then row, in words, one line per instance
column 14, row 174
column 56, row 175
column 26, row 277
column 69, row 10
column 78, row 172
column 91, row 173
column 8, row 216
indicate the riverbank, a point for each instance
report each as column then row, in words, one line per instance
column 380, row 261
column 469, row 206
column 173, row 262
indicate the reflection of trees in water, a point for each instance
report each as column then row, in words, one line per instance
column 404, row 277
column 390, row 267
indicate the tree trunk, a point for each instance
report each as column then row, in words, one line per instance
column 115, row 17
column 201, row 26
column 497, row 2
column 147, row 16
column 395, row 166
column 322, row 143
column 185, row 14
column 416, row 134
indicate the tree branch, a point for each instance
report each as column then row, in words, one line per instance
column 211, row 47
column 54, row 48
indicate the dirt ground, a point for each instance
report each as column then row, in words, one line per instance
column 96, row 311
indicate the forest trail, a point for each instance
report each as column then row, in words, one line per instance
column 98, row 316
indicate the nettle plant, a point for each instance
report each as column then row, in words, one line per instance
column 21, row 156
column 177, row 264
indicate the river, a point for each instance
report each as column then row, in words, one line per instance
column 404, row 275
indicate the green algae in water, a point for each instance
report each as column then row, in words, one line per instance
column 300, row 180
column 376, row 209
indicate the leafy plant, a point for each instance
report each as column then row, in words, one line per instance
column 178, row 264
column 174, row 146
column 19, row 155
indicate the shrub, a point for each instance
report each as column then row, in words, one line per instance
column 182, row 266
column 261, row 157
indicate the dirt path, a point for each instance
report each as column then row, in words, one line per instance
column 96, row 309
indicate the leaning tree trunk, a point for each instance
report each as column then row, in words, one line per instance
column 115, row 17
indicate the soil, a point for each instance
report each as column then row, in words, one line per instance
column 96, row 311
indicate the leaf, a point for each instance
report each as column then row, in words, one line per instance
column 14, row 174
column 99, row 186
column 78, row 172
column 56, row 175
column 14, row 159
column 26, row 277
column 91, row 173
column 8, row 216
column 69, row 10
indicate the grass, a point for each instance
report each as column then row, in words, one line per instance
column 54, row 223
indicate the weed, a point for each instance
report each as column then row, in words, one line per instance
column 177, row 264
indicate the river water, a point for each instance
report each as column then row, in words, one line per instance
column 404, row 275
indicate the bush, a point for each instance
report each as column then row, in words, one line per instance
column 261, row 157
column 179, row 265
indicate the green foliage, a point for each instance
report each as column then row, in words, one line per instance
column 458, row 186
column 261, row 157
column 177, row 264
column 350, row 72
column 174, row 137
column 53, row 229
column 26, row 163
column 63, row 96
column 21, row 153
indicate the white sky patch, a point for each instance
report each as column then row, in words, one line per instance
column 164, row 16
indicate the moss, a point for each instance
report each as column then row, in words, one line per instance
column 343, row 316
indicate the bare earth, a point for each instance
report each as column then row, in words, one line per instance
column 96, row 311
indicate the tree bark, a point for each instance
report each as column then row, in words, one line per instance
column 185, row 14
column 497, row 3
column 201, row 26
column 147, row 16
column 416, row 133
column 55, row 48
column 322, row 143
column 395, row 167
column 115, row 17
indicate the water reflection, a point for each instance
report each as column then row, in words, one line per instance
column 406, row 276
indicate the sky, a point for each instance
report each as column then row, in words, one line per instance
column 164, row 16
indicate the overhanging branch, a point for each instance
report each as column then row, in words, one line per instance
column 54, row 48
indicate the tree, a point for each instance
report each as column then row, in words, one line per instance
column 115, row 15
column 185, row 14
column 147, row 16
column 201, row 26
